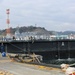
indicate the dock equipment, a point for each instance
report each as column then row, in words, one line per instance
column 26, row 58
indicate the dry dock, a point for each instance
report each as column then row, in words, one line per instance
column 15, row 68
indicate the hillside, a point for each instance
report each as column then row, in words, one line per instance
column 38, row 30
column 66, row 33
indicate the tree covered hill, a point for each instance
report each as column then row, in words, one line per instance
column 39, row 30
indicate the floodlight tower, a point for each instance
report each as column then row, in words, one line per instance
column 8, row 22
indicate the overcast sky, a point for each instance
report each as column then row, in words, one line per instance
column 57, row 15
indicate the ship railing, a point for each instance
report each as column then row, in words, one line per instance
column 34, row 38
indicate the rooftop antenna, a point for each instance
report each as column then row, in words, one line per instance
column 35, row 25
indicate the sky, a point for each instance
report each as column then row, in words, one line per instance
column 54, row 15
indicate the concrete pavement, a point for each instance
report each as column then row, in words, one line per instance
column 26, row 69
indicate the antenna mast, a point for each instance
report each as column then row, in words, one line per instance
column 8, row 22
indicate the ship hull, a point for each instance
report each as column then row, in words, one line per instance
column 55, row 49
